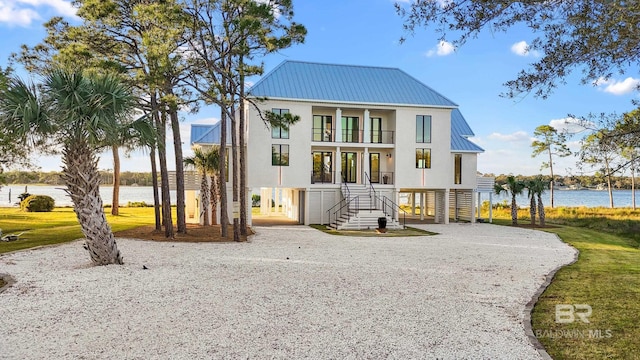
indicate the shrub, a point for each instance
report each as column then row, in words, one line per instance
column 255, row 200
column 37, row 203
column 137, row 204
column 23, row 196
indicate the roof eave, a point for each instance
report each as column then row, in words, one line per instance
column 354, row 102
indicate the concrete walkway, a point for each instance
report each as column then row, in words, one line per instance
column 292, row 292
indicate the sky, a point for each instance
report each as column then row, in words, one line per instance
column 367, row 32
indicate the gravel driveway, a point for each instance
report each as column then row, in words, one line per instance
column 292, row 292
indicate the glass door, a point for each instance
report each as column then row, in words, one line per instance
column 376, row 130
column 350, row 167
column 322, row 172
column 374, row 167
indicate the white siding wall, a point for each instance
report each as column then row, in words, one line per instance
column 440, row 175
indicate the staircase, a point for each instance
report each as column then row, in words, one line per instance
column 360, row 209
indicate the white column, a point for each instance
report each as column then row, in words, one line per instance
column 413, row 203
column 366, row 132
column 446, row 206
column 338, row 123
column 421, row 206
column 365, row 163
column 338, row 166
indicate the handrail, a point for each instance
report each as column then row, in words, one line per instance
column 385, row 203
column 372, row 190
column 340, row 211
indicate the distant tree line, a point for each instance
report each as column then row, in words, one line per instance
column 127, row 178
column 579, row 181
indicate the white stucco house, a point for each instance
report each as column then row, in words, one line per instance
column 367, row 138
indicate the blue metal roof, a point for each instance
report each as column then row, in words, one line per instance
column 346, row 83
column 208, row 134
column 460, row 131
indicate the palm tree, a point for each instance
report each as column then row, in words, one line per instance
column 539, row 188
column 531, row 194
column 79, row 114
column 213, row 167
column 199, row 161
column 514, row 187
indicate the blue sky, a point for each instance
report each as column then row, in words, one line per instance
column 366, row 32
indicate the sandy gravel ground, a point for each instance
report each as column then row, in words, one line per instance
column 292, row 292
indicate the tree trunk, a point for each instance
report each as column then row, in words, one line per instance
column 243, row 162
column 551, row 182
column 224, row 216
column 532, row 209
column 156, row 195
column 633, row 187
column 115, row 202
column 80, row 174
column 177, row 147
column 214, row 198
column 167, row 220
column 606, row 161
column 541, row 213
column 514, row 210
column 204, row 197
column 234, row 160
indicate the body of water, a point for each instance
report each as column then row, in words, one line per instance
column 589, row 198
column 573, row 198
column 127, row 193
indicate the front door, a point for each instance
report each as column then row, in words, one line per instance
column 349, row 167
column 374, row 167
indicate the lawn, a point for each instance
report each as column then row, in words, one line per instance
column 606, row 277
column 60, row 225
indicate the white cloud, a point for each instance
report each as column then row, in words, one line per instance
column 570, row 125
column 443, row 48
column 618, row 87
column 518, row 136
column 24, row 12
column 521, row 48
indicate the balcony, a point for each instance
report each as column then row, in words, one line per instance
column 322, row 177
column 353, row 136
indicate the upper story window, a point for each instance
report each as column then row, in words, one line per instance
column 423, row 158
column 322, row 128
column 423, row 128
column 376, row 130
column 279, row 155
column 457, row 169
column 350, row 129
column 278, row 132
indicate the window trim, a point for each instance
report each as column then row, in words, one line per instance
column 277, row 132
column 276, row 157
column 427, row 162
column 421, row 136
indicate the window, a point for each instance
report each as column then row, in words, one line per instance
column 280, row 155
column 423, row 158
column 376, row 130
column 350, row 131
column 322, row 128
column 278, row 132
column 457, row 169
column 423, row 128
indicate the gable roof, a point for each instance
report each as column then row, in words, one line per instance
column 300, row 80
column 208, row 134
column 460, row 131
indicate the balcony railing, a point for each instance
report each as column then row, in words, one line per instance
column 382, row 177
column 353, row 136
column 322, row 177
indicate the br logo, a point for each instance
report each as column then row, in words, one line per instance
column 567, row 313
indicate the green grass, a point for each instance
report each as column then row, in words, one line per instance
column 60, row 225
column 408, row 231
column 605, row 277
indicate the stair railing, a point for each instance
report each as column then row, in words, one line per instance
column 343, row 207
column 372, row 193
column 389, row 208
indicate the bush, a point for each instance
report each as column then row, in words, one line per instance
column 38, row 203
column 255, row 200
column 137, row 204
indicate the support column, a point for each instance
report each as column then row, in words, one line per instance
column 338, row 166
column 277, row 200
column 366, row 132
column 421, row 206
column 338, row 136
column 365, row 164
column 413, row 204
column 446, row 206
